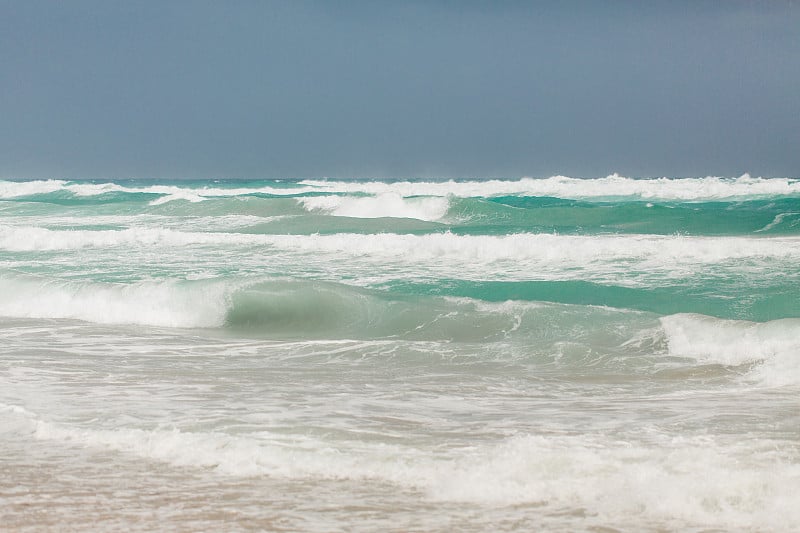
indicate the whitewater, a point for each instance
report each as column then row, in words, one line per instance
column 560, row 354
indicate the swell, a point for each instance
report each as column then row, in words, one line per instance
column 492, row 216
column 448, row 309
column 542, row 214
column 769, row 302
column 287, row 309
column 563, row 332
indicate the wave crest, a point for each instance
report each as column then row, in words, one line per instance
column 166, row 303
column 691, row 189
column 383, row 205
column 773, row 347
column 287, row 309
column 542, row 248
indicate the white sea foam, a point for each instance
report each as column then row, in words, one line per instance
column 547, row 248
column 27, row 238
column 215, row 223
column 677, row 481
column 383, row 205
column 774, row 346
column 708, row 188
column 13, row 189
column 168, row 192
column 168, row 304
column 180, row 195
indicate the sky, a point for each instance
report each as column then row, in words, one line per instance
column 405, row 89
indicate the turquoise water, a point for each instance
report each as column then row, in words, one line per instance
column 362, row 355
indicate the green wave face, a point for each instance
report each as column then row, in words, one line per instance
column 290, row 309
column 517, row 214
column 769, row 302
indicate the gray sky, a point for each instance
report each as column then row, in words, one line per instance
column 249, row 89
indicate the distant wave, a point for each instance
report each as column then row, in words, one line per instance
column 709, row 188
column 538, row 248
column 614, row 186
column 382, row 205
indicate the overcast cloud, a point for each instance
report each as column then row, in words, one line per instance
column 249, row 89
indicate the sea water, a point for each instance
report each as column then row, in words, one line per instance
column 325, row 355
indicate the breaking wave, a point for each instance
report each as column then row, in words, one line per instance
column 165, row 303
column 613, row 186
column 545, row 248
column 382, row 205
column 289, row 309
column 294, row 309
column 283, row 308
column 771, row 348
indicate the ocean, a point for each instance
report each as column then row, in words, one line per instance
column 554, row 354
